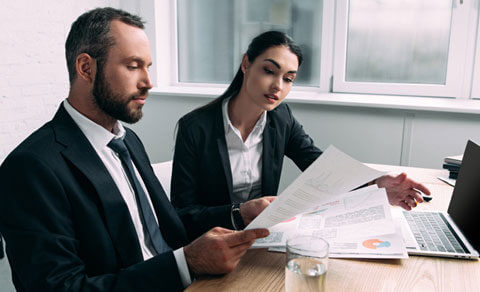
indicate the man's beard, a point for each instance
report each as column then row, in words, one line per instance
column 115, row 105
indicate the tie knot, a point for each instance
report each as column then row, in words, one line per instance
column 119, row 147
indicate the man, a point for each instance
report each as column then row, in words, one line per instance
column 80, row 206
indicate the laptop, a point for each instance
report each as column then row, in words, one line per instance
column 456, row 233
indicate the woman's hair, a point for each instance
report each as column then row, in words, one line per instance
column 260, row 44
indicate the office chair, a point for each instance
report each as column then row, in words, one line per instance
column 163, row 171
column 2, row 253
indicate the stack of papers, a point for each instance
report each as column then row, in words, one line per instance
column 452, row 164
column 457, row 159
column 357, row 224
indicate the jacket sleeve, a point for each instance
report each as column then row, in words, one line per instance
column 44, row 254
column 185, row 187
column 300, row 147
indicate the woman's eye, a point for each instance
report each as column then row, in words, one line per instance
column 132, row 67
column 268, row 71
column 289, row 80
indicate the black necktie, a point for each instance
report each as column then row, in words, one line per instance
column 146, row 213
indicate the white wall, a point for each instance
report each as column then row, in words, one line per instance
column 34, row 75
column 33, row 78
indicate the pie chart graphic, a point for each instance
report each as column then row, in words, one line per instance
column 375, row 243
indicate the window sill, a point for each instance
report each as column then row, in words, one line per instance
column 466, row 106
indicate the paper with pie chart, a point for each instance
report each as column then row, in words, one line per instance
column 362, row 212
column 357, row 224
column 387, row 246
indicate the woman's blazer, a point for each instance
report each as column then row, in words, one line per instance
column 201, row 188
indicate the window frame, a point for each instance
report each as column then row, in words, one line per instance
column 459, row 47
column 164, row 38
column 166, row 52
column 475, row 82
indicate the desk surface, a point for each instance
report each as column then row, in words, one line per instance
column 260, row 270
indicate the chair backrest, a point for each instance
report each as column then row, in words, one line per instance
column 163, row 171
column 2, row 254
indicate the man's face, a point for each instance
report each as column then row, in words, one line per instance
column 122, row 83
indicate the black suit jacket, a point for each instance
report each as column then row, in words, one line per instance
column 65, row 223
column 201, row 186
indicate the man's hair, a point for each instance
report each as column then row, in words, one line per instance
column 90, row 34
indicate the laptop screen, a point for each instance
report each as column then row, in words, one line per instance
column 464, row 206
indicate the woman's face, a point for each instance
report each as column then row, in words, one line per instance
column 268, row 79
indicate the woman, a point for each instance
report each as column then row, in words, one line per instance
column 231, row 151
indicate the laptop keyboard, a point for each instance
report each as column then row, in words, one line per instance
column 433, row 232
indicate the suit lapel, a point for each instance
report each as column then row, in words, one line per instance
column 223, row 150
column 268, row 165
column 117, row 217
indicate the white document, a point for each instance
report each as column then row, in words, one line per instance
column 447, row 180
column 331, row 174
column 361, row 213
column 386, row 246
column 357, row 224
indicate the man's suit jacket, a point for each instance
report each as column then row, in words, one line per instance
column 65, row 223
column 202, row 188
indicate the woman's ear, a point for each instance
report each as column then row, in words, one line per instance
column 245, row 63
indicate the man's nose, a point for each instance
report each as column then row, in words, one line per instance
column 146, row 81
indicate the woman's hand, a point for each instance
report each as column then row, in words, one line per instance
column 402, row 191
column 250, row 209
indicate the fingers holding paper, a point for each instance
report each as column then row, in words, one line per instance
column 219, row 250
column 250, row 209
column 402, row 191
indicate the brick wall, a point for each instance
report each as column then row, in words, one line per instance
column 33, row 78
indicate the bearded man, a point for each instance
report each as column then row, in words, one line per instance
column 80, row 206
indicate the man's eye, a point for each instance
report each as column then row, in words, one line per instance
column 132, row 67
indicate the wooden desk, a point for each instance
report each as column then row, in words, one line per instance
column 260, row 270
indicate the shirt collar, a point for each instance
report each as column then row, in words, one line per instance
column 97, row 135
column 227, row 124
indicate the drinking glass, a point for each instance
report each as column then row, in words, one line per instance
column 306, row 264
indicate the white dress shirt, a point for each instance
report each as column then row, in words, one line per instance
column 245, row 157
column 99, row 138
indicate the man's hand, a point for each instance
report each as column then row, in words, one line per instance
column 250, row 209
column 219, row 250
column 402, row 191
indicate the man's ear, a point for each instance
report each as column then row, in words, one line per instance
column 86, row 67
column 245, row 63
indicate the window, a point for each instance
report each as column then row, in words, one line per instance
column 214, row 34
column 401, row 47
column 387, row 47
column 391, row 42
